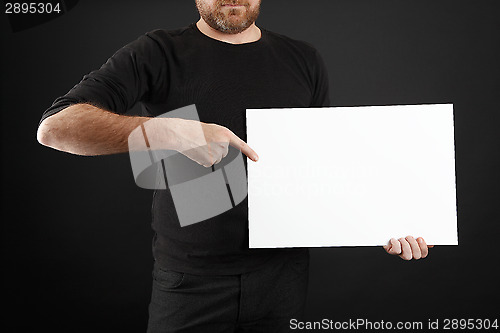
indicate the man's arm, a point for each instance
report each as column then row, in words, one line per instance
column 84, row 129
column 134, row 73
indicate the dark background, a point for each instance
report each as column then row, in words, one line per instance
column 76, row 236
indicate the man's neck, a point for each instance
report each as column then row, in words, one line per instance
column 251, row 34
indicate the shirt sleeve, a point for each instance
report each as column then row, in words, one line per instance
column 134, row 73
column 321, row 96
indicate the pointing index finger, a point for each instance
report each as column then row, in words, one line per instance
column 236, row 142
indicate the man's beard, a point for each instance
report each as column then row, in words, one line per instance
column 228, row 20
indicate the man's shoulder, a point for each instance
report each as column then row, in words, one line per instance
column 288, row 42
column 155, row 38
column 169, row 33
column 158, row 41
column 167, row 36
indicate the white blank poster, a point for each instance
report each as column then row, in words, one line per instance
column 351, row 176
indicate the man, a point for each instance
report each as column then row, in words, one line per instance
column 205, row 277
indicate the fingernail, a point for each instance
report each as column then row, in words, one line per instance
column 255, row 158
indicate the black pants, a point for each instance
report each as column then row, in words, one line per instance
column 261, row 301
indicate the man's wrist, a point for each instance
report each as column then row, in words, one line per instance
column 161, row 133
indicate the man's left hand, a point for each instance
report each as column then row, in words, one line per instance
column 408, row 247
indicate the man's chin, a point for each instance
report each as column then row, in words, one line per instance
column 236, row 21
column 234, row 25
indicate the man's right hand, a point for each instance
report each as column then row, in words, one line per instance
column 206, row 144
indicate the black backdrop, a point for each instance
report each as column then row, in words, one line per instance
column 76, row 237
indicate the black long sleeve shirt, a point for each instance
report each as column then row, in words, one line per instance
column 166, row 70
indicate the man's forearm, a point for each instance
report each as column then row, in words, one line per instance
column 84, row 129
